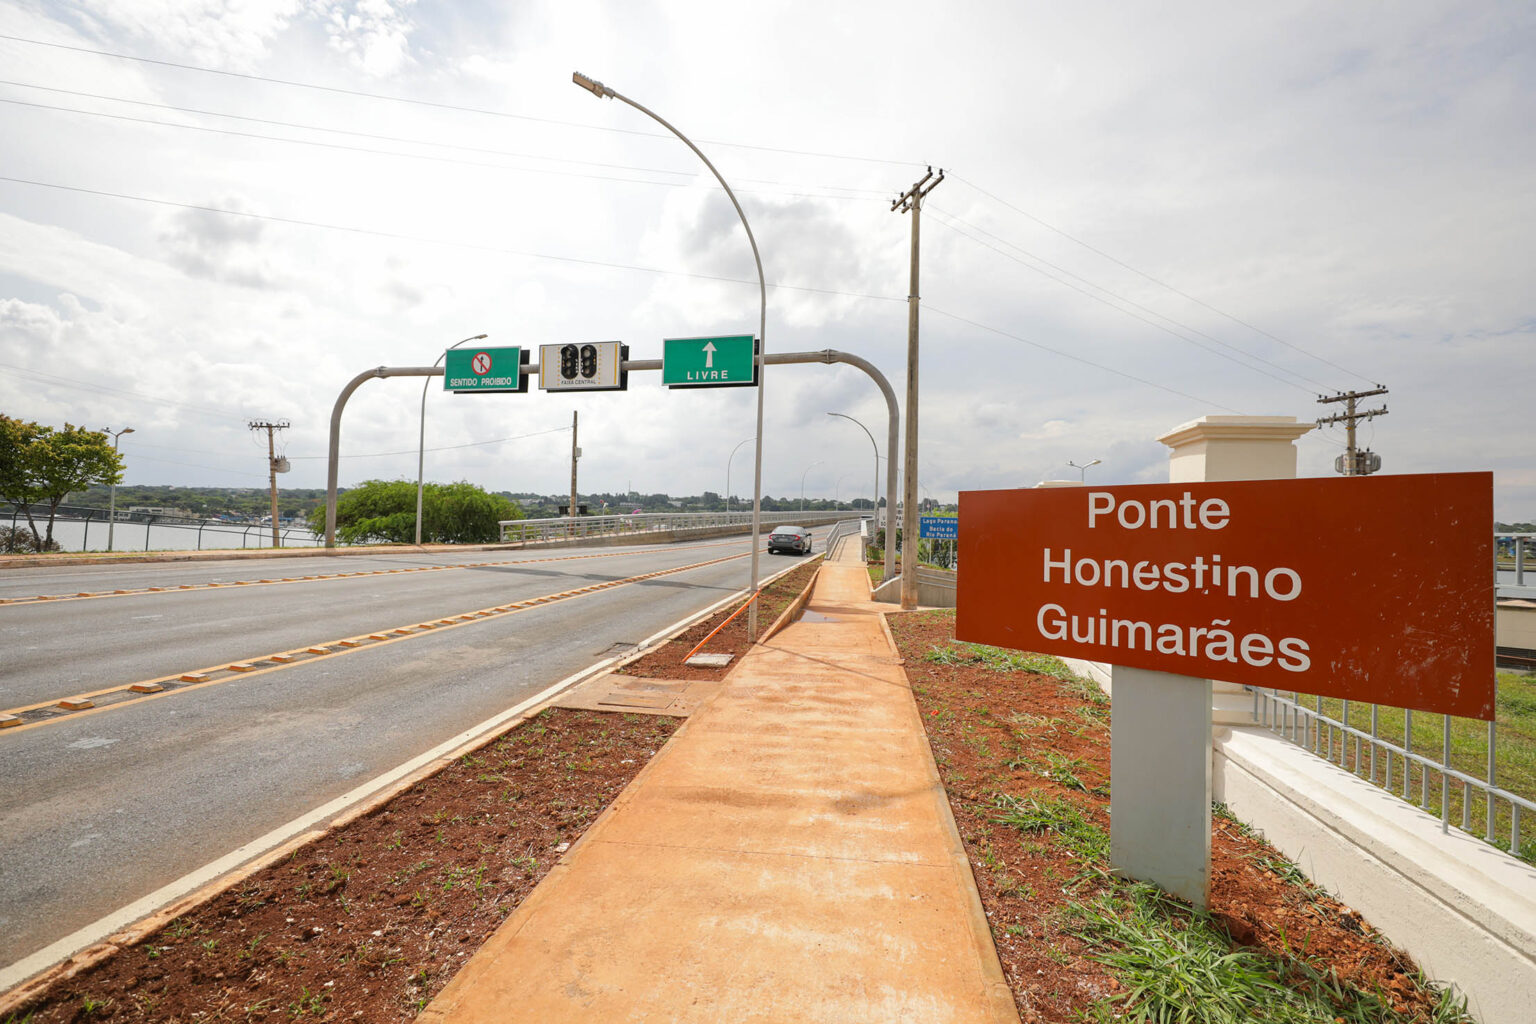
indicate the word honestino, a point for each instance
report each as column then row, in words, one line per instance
column 1279, row 584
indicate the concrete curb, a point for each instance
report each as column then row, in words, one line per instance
column 1000, row 994
column 39, row 982
column 796, row 606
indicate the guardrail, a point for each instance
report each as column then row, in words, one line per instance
column 1311, row 728
column 574, row 527
column 72, row 529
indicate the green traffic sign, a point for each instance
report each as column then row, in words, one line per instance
column 729, row 362
column 485, row 369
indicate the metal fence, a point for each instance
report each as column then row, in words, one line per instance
column 74, row 526
column 1397, row 767
column 1423, row 777
column 568, row 527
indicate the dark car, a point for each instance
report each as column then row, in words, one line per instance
column 794, row 539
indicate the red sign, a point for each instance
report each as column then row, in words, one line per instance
column 481, row 363
column 1377, row 588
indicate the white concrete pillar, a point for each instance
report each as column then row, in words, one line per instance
column 1160, row 781
column 1233, row 448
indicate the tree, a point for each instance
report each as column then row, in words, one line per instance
column 17, row 438
column 39, row 463
column 385, row 511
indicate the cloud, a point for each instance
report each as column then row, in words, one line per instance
column 374, row 34
column 219, row 247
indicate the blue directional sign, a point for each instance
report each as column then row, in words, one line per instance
column 938, row 527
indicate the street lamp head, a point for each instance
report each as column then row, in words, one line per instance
column 592, row 85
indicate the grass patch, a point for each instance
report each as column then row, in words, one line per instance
column 1039, row 815
column 998, row 659
column 1179, row 967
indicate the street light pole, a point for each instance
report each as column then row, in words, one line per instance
column 421, row 442
column 802, row 481
column 1082, row 471
column 112, row 491
column 600, row 90
column 728, row 471
column 877, row 467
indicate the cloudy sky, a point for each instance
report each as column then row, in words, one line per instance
column 212, row 213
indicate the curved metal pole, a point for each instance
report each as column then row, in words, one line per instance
column 875, row 499
column 335, row 447
column 893, row 415
column 599, row 89
column 421, row 438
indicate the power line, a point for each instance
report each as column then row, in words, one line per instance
column 398, row 236
column 105, row 389
column 1079, row 359
column 444, row 448
column 431, row 104
column 337, row 145
column 316, row 143
column 1161, row 284
column 689, row 174
column 587, row 262
column 1130, row 302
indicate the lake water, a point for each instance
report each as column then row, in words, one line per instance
column 91, row 535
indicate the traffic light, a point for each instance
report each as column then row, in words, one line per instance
column 589, row 361
column 568, row 361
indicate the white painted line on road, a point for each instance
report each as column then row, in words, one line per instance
column 97, row 931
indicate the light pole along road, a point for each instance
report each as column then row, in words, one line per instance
column 600, row 90
column 144, row 789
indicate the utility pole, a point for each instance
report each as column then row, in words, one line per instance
column 1354, row 462
column 274, row 467
column 575, row 454
column 911, row 200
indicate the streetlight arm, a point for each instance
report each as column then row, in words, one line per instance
column 600, row 90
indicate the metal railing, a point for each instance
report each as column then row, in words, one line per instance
column 840, row 529
column 1393, row 766
column 570, row 527
column 74, row 523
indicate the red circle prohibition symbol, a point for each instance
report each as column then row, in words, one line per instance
column 481, row 364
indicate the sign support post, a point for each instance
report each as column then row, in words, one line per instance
column 1160, row 781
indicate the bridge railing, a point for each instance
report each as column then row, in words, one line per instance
column 82, row 528
column 574, row 527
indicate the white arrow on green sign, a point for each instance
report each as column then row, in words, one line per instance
column 729, row 362
column 484, row 369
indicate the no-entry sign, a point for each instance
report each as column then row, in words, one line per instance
column 1369, row 588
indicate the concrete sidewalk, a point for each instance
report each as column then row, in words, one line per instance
column 788, row 856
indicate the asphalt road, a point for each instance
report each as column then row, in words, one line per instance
column 102, row 808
